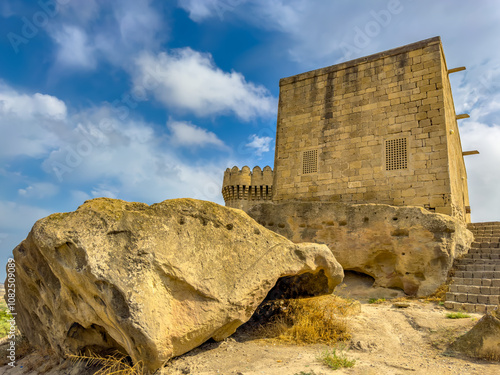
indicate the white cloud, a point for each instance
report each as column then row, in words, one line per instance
column 29, row 124
column 115, row 31
column 74, row 48
column 260, row 144
column 129, row 159
column 482, row 170
column 102, row 154
column 202, row 9
column 105, row 191
column 30, row 106
column 39, row 190
column 187, row 134
column 189, row 80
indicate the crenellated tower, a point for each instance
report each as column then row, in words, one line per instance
column 244, row 188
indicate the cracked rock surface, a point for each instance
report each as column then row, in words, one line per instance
column 152, row 281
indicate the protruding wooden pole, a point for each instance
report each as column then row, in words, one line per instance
column 463, row 115
column 454, row 70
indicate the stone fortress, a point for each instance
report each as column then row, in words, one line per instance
column 378, row 129
column 368, row 161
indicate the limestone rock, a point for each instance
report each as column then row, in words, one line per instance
column 483, row 340
column 408, row 248
column 152, row 281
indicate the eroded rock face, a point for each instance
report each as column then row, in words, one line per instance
column 483, row 340
column 400, row 247
column 153, row 281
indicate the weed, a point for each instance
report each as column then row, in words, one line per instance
column 457, row 315
column 376, row 300
column 305, row 373
column 112, row 364
column 310, row 321
column 336, row 360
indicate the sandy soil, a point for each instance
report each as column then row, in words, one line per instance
column 385, row 340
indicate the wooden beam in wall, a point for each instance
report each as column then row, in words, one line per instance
column 463, row 115
column 475, row 152
column 454, row 70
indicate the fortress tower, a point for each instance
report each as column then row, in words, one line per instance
column 378, row 129
column 242, row 189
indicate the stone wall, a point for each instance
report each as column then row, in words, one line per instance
column 408, row 248
column 244, row 188
column 458, row 175
column 372, row 130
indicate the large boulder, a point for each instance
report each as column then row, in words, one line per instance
column 483, row 340
column 408, row 248
column 151, row 281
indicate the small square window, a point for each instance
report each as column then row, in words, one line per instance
column 396, row 154
column 310, row 161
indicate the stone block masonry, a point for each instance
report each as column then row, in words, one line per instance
column 476, row 280
column 379, row 129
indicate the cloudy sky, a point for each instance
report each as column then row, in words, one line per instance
column 147, row 100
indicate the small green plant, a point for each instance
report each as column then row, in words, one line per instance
column 376, row 300
column 336, row 360
column 5, row 317
column 441, row 303
column 457, row 315
column 305, row 373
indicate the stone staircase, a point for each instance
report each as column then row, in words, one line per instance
column 476, row 282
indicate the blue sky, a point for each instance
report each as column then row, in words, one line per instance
column 147, row 100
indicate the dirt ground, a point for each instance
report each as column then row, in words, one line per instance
column 385, row 340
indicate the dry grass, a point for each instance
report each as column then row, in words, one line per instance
column 440, row 294
column 490, row 350
column 310, row 321
column 112, row 364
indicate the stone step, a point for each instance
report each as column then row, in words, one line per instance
column 477, row 274
column 482, row 245
column 484, row 227
column 477, row 282
column 469, row 307
column 484, row 251
column 473, row 298
column 477, row 267
column 489, row 242
column 484, row 224
column 474, row 289
column 485, row 260
column 478, row 259
column 485, row 236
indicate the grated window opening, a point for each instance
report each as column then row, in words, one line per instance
column 396, row 154
column 310, row 161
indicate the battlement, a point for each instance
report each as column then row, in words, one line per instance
column 243, row 188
